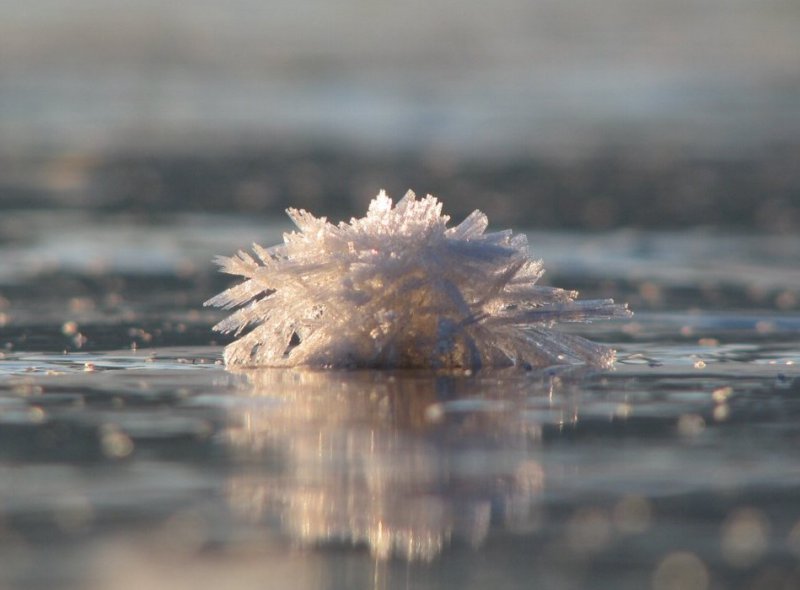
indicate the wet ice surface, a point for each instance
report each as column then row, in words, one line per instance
column 130, row 458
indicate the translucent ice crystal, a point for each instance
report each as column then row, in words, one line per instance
column 398, row 288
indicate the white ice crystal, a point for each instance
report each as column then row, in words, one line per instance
column 398, row 288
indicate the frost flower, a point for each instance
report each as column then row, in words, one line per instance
column 398, row 288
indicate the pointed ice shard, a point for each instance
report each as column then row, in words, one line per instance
column 398, row 288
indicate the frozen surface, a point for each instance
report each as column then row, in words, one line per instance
column 130, row 458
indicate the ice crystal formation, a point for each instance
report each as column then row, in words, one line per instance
column 398, row 288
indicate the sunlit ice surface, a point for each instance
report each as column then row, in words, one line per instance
column 131, row 458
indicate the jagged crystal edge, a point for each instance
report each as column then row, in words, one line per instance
column 398, row 288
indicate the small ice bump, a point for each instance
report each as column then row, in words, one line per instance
column 399, row 289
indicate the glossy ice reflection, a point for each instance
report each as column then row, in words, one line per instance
column 159, row 465
column 397, row 463
column 130, row 458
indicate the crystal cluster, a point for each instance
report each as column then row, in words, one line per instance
column 398, row 288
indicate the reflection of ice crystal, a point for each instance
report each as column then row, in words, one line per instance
column 365, row 461
column 398, row 288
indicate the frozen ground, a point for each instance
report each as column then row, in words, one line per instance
column 130, row 458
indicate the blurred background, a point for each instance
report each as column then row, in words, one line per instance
column 546, row 114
